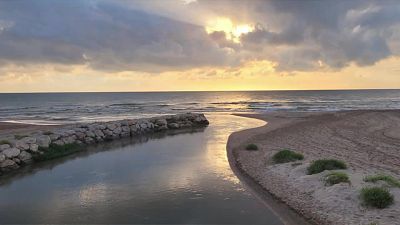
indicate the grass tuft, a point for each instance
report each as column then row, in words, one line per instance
column 387, row 178
column 5, row 142
column 376, row 197
column 336, row 178
column 251, row 147
column 57, row 151
column 320, row 165
column 286, row 156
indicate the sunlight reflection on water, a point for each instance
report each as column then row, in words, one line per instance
column 183, row 179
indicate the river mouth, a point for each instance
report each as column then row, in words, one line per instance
column 176, row 179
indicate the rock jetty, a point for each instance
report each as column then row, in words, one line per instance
column 19, row 150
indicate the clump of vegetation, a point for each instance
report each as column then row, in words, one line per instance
column 48, row 133
column 286, row 156
column 376, row 197
column 5, row 142
column 56, row 151
column 320, row 165
column 251, row 147
column 19, row 137
column 387, row 178
column 336, row 177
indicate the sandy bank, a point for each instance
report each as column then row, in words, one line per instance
column 369, row 142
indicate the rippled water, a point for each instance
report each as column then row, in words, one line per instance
column 181, row 178
column 78, row 107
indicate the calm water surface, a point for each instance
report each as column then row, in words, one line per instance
column 183, row 178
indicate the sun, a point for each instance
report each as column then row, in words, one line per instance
column 232, row 31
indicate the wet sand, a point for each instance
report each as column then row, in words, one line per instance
column 368, row 141
column 7, row 128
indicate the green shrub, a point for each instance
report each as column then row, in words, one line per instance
column 56, row 151
column 320, row 165
column 285, row 156
column 251, row 147
column 376, row 197
column 388, row 179
column 335, row 178
column 19, row 137
column 5, row 142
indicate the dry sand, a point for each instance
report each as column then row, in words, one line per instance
column 368, row 141
column 7, row 129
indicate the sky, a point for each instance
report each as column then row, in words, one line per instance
column 191, row 45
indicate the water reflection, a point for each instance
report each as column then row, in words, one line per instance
column 182, row 178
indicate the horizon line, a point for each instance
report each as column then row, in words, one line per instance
column 165, row 91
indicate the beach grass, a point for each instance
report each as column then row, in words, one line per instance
column 5, row 142
column 320, row 165
column 336, row 178
column 57, row 151
column 377, row 197
column 286, row 156
column 252, row 147
column 387, row 178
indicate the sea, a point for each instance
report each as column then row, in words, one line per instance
column 64, row 108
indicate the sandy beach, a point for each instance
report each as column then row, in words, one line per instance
column 368, row 141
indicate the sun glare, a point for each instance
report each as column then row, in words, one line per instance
column 232, row 31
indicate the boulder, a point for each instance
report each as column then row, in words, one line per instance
column 89, row 140
column 117, row 131
column 25, row 156
column 8, row 164
column 58, row 142
column 111, row 126
column 28, row 140
column 11, row 152
column 33, row 147
column 4, row 147
column 54, row 137
column 21, row 145
column 2, row 158
column 173, row 126
column 43, row 141
column 90, row 134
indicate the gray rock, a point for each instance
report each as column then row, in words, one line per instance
column 99, row 133
column 16, row 160
column 90, row 134
column 173, row 126
column 117, row 131
column 33, row 147
column 2, row 158
column 25, row 156
column 11, row 152
column 8, row 164
column 28, row 140
column 21, row 145
column 89, row 140
column 43, row 141
column 4, row 147
column 59, row 142
column 80, row 135
column 54, row 137
column 111, row 126
column 125, row 129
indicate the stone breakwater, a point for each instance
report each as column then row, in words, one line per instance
column 19, row 150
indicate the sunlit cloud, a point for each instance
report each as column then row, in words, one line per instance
column 232, row 31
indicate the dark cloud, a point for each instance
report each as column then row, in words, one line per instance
column 105, row 36
column 132, row 35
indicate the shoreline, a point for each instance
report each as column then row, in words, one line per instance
column 305, row 132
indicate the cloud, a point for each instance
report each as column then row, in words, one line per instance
column 104, row 36
column 156, row 36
